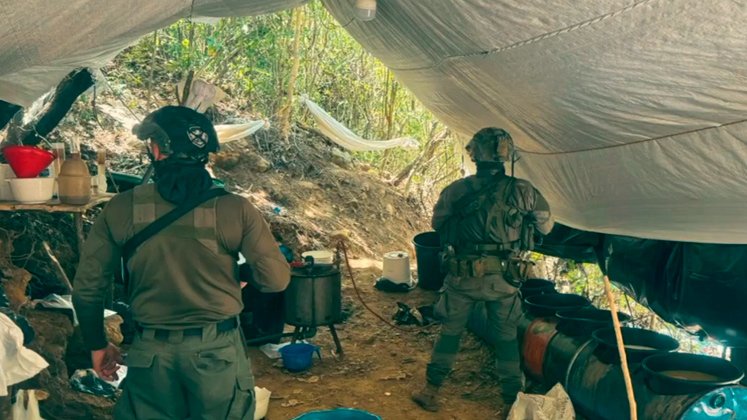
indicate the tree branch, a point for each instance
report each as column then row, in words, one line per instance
column 53, row 111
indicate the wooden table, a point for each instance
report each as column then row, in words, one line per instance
column 55, row 206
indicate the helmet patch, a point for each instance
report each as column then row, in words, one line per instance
column 197, row 136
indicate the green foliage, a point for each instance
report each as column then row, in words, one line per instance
column 250, row 58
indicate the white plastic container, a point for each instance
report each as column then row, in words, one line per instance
column 397, row 267
column 32, row 190
column 6, row 173
column 321, row 256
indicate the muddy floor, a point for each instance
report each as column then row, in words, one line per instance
column 381, row 365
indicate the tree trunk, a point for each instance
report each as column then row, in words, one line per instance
column 287, row 110
column 154, row 53
column 55, row 107
column 428, row 151
column 391, row 100
column 7, row 111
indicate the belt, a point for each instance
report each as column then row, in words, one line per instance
column 483, row 247
column 476, row 266
column 163, row 335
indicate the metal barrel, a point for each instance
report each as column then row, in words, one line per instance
column 560, row 353
column 597, row 389
column 535, row 341
column 575, row 328
column 728, row 402
column 595, row 380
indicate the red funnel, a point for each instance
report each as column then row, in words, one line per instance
column 27, row 161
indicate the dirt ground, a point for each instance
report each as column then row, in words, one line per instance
column 381, row 365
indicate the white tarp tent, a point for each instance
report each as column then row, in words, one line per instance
column 42, row 40
column 630, row 114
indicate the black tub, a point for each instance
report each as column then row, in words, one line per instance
column 682, row 373
column 582, row 322
column 549, row 304
column 639, row 344
column 532, row 287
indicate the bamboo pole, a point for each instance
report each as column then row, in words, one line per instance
column 297, row 18
column 621, row 350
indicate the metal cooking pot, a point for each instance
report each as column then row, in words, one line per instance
column 314, row 296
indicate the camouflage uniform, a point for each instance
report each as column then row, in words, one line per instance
column 188, row 360
column 462, row 291
column 483, row 220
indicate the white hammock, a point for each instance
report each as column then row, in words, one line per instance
column 231, row 132
column 341, row 135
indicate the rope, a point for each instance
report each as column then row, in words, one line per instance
column 341, row 247
column 621, row 350
column 529, row 41
column 646, row 140
column 119, row 97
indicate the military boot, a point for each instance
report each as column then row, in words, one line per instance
column 427, row 398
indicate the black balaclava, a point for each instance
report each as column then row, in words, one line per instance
column 179, row 181
column 488, row 169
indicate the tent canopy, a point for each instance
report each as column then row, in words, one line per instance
column 630, row 115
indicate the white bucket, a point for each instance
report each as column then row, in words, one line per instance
column 321, row 256
column 6, row 173
column 397, row 267
column 32, row 190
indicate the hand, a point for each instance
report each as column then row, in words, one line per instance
column 106, row 362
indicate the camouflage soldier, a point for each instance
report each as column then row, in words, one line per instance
column 188, row 358
column 484, row 221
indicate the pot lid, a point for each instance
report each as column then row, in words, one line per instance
column 314, row 270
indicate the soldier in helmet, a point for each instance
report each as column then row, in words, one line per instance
column 484, row 221
column 187, row 359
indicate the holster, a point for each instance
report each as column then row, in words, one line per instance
column 516, row 271
column 527, row 237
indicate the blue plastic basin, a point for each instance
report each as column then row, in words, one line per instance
column 338, row 414
column 297, row 356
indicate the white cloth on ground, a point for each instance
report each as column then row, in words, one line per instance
column 17, row 363
column 555, row 405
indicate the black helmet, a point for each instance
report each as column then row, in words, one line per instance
column 180, row 132
column 491, row 145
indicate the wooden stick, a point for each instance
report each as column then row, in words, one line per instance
column 58, row 267
column 621, row 349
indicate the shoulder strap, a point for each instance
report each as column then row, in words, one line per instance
column 167, row 219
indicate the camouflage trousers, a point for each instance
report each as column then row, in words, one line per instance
column 504, row 311
column 196, row 377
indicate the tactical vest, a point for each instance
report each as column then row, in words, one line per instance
column 486, row 216
column 199, row 224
